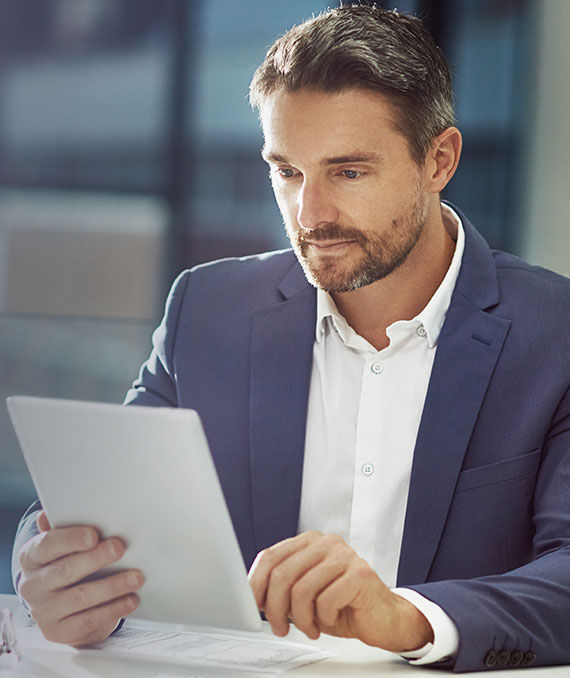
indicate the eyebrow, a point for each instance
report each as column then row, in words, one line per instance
column 356, row 157
column 337, row 160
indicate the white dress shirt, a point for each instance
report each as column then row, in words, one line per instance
column 363, row 418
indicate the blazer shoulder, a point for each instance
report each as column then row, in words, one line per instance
column 536, row 301
column 274, row 264
column 518, row 276
column 253, row 279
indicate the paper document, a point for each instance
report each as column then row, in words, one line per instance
column 258, row 655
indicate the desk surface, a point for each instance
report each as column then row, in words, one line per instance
column 351, row 659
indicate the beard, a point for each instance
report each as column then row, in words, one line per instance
column 382, row 252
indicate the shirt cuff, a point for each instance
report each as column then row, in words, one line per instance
column 445, row 633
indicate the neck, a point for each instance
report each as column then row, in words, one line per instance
column 406, row 291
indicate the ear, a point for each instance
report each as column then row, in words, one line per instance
column 442, row 158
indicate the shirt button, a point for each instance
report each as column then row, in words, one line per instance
column 367, row 469
column 421, row 331
column 376, row 368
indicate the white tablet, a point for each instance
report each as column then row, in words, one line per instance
column 146, row 475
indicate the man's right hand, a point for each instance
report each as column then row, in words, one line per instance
column 67, row 610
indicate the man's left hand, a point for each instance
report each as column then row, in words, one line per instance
column 322, row 585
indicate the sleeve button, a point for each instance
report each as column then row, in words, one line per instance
column 528, row 658
column 503, row 658
column 516, row 658
column 491, row 658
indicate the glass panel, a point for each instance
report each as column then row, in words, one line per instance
column 82, row 91
column 233, row 209
column 86, row 254
column 486, row 45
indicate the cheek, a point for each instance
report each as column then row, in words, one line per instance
column 287, row 205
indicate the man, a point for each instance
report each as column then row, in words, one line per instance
column 405, row 423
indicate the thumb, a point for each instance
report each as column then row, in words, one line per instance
column 42, row 522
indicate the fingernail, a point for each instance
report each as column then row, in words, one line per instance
column 112, row 548
column 88, row 539
column 135, row 579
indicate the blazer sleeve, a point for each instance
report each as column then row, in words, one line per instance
column 521, row 617
column 156, row 383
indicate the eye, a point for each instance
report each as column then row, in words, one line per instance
column 351, row 174
column 286, row 172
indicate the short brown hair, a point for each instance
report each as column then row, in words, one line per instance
column 359, row 46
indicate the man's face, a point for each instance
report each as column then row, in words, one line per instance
column 351, row 196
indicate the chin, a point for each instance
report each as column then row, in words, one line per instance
column 338, row 281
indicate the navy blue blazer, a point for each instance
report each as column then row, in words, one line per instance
column 487, row 530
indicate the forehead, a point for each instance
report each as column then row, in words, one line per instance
column 313, row 123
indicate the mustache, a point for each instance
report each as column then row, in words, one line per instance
column 332, row 232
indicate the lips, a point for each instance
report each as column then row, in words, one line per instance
column 325, row 245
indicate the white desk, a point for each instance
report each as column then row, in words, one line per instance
column 353, row 660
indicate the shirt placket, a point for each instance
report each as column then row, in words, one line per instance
column 367, row 472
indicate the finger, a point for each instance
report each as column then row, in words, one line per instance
column 93, row 625
column 84, row 596
column 42, row 522
column 73, row 568
column 269, row 558
column 47, row 547
column 334, row 598
column 356, row 604
column 282, row 579
column 291, row 570
column 36, row 585
column 306, row 591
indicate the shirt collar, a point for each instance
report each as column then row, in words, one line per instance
column 431, row 317
column 326, row 308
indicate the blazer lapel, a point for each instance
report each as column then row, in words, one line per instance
column 281, row 359
column 468, row 348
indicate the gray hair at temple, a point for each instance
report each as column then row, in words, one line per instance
column 366, row 47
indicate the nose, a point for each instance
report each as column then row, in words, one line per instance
column 315, row 205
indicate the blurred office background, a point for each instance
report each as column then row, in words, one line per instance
column 128, row 152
